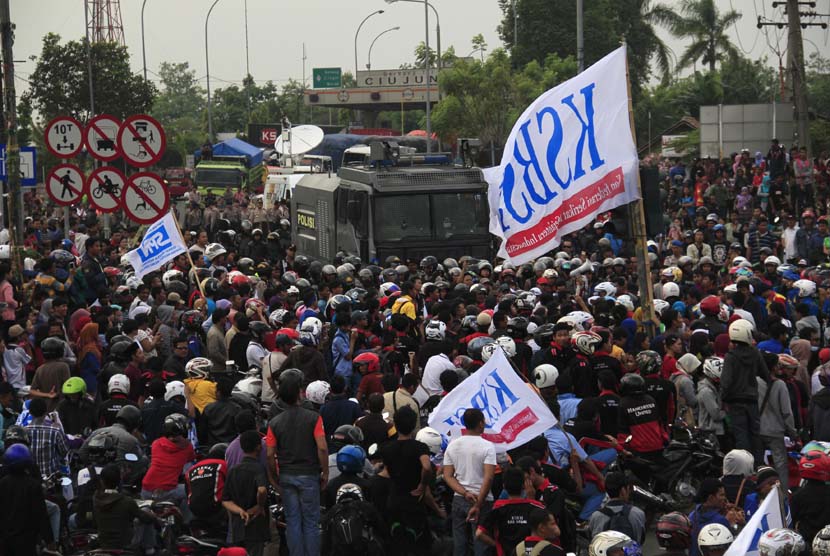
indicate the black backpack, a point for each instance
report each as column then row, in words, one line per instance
column 83, row 501
column 618, row 521
column 349, row 533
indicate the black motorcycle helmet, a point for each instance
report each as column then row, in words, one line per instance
column 218, row 450
column 102, row 449
column 301, row 264
column 129, row 416
column 632, row 383
column 258, row 329
column 517, row 327
column 175, row 425
column 15, row 434
column 53, row 348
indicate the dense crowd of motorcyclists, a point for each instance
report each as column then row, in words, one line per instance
column 246, row 394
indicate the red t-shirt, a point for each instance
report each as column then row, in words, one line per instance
column 370, row 384
column 166, row 465
column 669, row 366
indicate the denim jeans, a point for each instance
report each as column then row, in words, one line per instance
column 592, row 497
column 301, row 499
column 463, row 532
column 746, row 428
column 54, row 513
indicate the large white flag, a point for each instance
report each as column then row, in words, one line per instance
column 162, row 243
column 569, row 157
column 767, row 517
column 513, row 411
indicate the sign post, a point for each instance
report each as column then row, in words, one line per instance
column 65, row 184
column 327, row 78
column 141, row 140
column 64, row 137
column 101, row 137
column 145, row 199
column 104, row 188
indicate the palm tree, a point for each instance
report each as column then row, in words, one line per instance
column 640, row 29
column 706, row 26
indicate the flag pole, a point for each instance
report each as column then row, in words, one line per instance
column 189, row 258
column 638, row 227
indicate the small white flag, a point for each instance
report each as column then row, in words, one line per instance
column 767, row 517
column 162, row 243
column 513, row 412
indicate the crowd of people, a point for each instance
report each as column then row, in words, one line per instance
column 270, row 397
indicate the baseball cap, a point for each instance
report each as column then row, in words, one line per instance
column 174, row 297
column 16, row 331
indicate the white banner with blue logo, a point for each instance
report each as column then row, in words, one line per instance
column 569, row 157
column 513, row 412
column 162, row 243
column 767, row 517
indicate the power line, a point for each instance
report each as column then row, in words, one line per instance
column 738, row 34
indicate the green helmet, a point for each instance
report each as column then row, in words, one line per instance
column 74, row 385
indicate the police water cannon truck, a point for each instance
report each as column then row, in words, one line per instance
column 390, row 200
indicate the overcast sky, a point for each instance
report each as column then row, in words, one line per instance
column 277, row 29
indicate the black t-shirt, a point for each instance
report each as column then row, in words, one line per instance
column 609, row 410
column 402, row 460
column 205, row 487
column 329, row 497
column 507, row 523
column 110, row 408
column 241, row 487
column 376, row 430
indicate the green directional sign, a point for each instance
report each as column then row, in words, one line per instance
column 327, row 78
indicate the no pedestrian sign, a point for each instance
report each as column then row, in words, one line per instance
column 104, row 188
column 145, row 199
column 101, row 137
column 65, row 184
column 142, row 141
column 64, row 137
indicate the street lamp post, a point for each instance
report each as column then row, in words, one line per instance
column 207, row 68
column 356, row 33
column 143, row 53
column 437, row 25
column 369, row 58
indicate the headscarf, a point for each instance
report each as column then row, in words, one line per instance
column 88, row 341
column 801, row 351
column 77, row 321
column 738, row 462
column 45, row 310
column 164, row 314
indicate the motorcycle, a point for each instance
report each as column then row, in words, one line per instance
column 690, row 456
column 170, row 522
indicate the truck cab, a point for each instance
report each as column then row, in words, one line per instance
column 391, row 203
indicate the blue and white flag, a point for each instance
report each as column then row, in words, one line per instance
column 162, row 243
column 767, row 517
column 569, row 157
column 513, row 412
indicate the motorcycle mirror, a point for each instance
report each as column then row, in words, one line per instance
column 131, row 457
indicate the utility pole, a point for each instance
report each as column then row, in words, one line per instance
column 580, row 37
column 10, row 127
column 794, row 87
column 795, row 71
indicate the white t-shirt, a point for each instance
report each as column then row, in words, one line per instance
column 15, row 360
column 436, row 365
column 254, row 354
column 270, row 365
column 468, row 455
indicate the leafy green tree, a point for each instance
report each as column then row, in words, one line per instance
column 818, row 85
column 549, row 27
column 59, row 83
column 179, row 107
column 708, row 29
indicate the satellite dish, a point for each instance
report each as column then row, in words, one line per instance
column 303, row 139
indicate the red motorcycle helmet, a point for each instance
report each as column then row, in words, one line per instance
column 815, row 465
column 371, row 360
column 674, row 531
column 290, row 332
column 710, row 305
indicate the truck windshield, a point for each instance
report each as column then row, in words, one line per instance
column 402, row 217
column 458, row 214
column 218, row 176
column 439, row 216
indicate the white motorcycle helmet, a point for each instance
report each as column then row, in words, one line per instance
column 712, row 368
column 507, row 344
column 626, row 301
column 806, row 288
column 670, row 289
column 660, row 305
column 432, row 438
column 714, row 537
column 781, row 542
column 172, row 276
column 317, row 391
column 435, row 330
column 821, row 542
column 741, row 331
column 312, row 325
column 606, row 289
column 613, row 543
column 584, row 321
column 545, row 376
column 488, row 350
column 252, row 386
column 119, row 383
column 173, row 389
column 214, row 250
column 198, row 367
